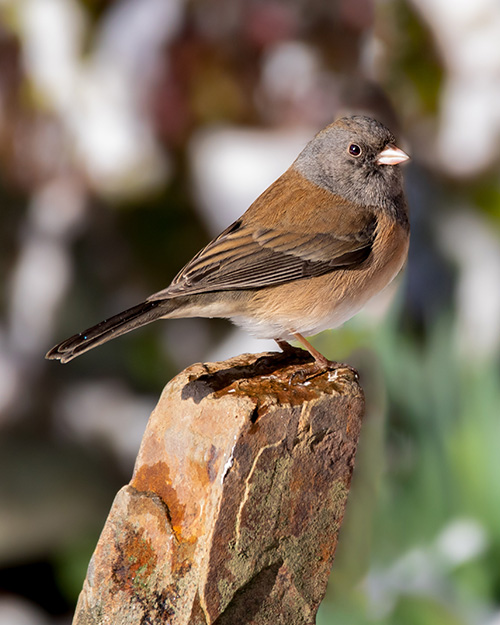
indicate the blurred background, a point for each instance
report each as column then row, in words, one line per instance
column 132, row 131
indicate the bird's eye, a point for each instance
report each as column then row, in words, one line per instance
column 354, row 149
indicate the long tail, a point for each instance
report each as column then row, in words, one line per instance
column 129, row 319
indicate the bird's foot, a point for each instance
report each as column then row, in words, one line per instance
column 320, row 364
column 310, row 371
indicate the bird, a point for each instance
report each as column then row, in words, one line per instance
column 307, row 255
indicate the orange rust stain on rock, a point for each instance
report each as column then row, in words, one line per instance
column 135, row 562
column 203, row 472
column 200, row 473
column 155, row 478
column 182, row 559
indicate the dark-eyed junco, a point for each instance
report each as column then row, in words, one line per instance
column 307, row 255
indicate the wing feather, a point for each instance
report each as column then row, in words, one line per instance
column 247, row 258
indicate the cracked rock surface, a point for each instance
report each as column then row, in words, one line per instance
column 238, row 493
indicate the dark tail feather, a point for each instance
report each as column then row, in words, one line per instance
column 109, row 329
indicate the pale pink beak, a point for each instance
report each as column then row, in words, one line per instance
column 391, row 155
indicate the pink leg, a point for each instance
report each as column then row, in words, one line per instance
column 318, row 357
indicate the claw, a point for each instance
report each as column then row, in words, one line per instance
column 316, row 369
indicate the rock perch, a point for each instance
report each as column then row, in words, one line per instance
column 233, row 511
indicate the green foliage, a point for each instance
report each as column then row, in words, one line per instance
column 431, row 469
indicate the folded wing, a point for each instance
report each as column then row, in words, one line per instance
column 248, row 258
